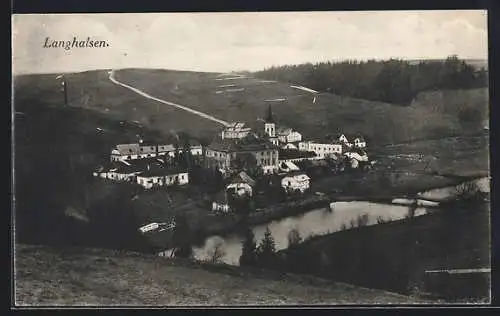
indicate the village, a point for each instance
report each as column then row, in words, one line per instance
column 243, row 158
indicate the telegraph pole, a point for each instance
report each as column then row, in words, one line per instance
column 65, row 91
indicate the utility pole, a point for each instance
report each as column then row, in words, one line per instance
column 65, row 90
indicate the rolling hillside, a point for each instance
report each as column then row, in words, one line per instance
column 211, row 93
column 91, row 277
column 328, row 114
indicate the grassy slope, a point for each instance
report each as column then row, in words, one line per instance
column 329, row 114
column 46, row 276
column 93, row 90
column 448, row 239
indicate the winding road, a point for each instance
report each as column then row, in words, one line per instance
column 182, row 107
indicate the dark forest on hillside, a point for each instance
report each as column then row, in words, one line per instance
column 393, row 81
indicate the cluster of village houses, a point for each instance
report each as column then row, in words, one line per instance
column 274, row 149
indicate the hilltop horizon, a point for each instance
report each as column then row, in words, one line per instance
column 481, row 60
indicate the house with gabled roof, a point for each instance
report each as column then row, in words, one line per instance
column 241, row 184
column 162, row 176
column 295, row 181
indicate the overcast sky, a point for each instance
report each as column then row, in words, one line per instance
column 243, row 41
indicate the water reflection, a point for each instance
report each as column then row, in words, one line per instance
column 321, row 221
column 316, row 222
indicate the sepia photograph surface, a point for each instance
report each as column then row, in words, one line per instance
column 251, row 159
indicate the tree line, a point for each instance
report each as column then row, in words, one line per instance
column 394, row 81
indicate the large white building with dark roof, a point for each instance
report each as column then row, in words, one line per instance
column 222, row 152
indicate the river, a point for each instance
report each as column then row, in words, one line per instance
column 318, row 222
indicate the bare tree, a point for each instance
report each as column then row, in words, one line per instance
column 217, row 253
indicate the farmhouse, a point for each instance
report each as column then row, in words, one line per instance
column 295, row 181
column 241, row 184
column 358, row 141
column 166, row 176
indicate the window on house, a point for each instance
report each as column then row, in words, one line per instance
column 128, row 157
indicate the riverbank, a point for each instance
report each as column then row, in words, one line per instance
column 224, row 225
column 232, row 223
column 396, row 255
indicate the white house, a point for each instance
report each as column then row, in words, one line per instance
column 241, row 184
column 125, row 152
column 196, row 150
column 359, row 142
column 357, row 156
column 118, row 171
column 295, row 181
column 220, row 203
column 236, row 130
column 166, row 149
column 288, row 135
column 162, row 177
column 322, row 150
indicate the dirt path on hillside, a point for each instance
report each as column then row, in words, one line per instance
column 182, row 107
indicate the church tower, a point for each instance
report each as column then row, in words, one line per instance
column 270, row 126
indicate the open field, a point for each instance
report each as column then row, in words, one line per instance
column 329, row 114
column 94, row 91
column 434, row 114
column 90, row 277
